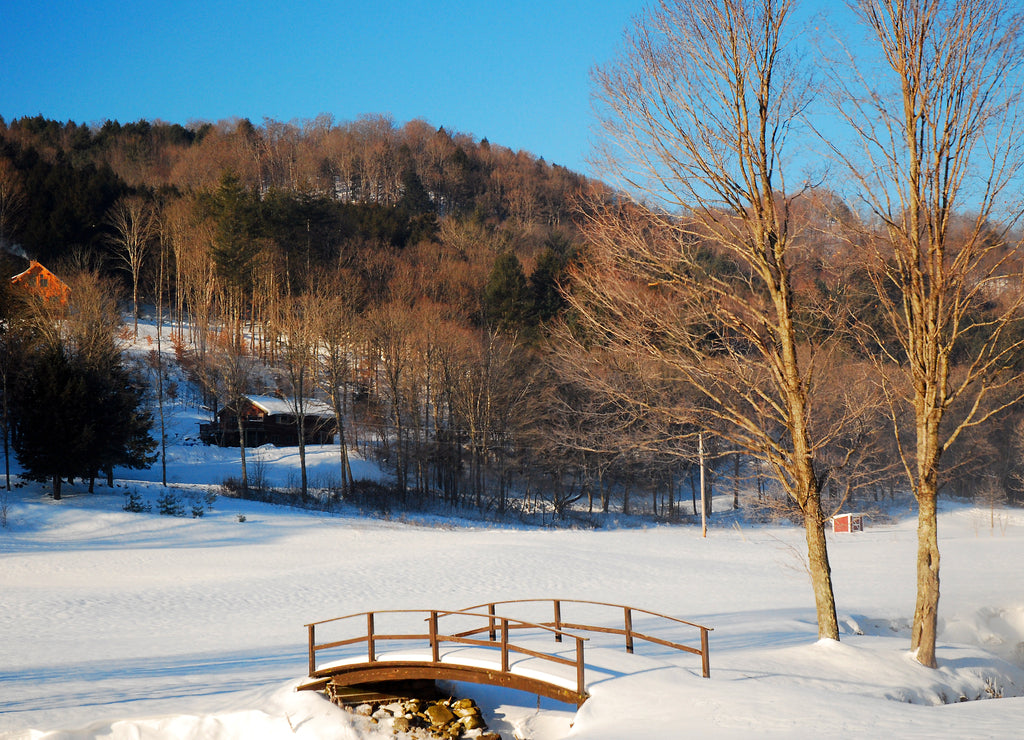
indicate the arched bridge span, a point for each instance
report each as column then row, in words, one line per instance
column 490, row 643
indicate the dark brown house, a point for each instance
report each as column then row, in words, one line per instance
column 270, row 420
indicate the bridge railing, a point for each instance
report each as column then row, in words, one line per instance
column 498, row 629
column 631, row 634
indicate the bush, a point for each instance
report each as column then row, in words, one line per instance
column 133, row 502
column 169, row 505
column 202, row 502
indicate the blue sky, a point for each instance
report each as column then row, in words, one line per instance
column 514, row 72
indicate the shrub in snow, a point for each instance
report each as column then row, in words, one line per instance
column 202, row 502
column 169, row 505
column 241, row 517
column 133, row 502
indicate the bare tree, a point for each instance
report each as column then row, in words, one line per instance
column 12, row 201
column 166, row 231
column 336, row 358
column 488, row 398
column 390, row 335
column 299, row 329
column 229, row 370
column 697, row 112
column 134, row 225
column 938, row 121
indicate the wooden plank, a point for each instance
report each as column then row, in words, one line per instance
column 385, row 691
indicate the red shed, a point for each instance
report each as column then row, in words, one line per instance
column 848, row 523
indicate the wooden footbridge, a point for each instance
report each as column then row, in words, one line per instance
column 475, row 645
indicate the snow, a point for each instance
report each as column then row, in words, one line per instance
column 136, row 625
column 273, row 405
column 117, row 623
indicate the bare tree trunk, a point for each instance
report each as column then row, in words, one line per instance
column 164, row 237
column 736, row 481
column 241, row 450
column 5, row 422
column 926, row 609
column 821, row 575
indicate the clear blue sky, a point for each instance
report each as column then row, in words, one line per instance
column 514, row 72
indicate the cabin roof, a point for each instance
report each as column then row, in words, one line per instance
column 272, row 406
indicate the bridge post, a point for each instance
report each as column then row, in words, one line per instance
column 435, row 652
column 371, row 651
column 629, row 629
column 558, row 620
column 490, row 623
column 705, row 659
column 312, row 649
column 580, row 683
column 504, row 646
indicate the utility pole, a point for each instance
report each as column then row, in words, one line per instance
column 703, row 488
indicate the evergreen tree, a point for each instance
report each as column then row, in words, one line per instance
column 235, row 244
column 545, row 295
column 54, row 427
column 77, row 408
column 125, row 421
column 415, row 199
column 506, row 298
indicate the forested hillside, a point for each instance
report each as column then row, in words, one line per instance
column 416, row 279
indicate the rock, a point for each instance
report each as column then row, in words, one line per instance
column 448, row 719
column 473, row 722
column 439, row 715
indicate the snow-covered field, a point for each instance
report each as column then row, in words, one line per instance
column 127, row 625
column 135, row 625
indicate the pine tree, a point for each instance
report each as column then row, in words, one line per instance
column 54, row 431
column 506, row 298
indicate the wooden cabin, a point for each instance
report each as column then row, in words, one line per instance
column 39, row 281
column 270, row 420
